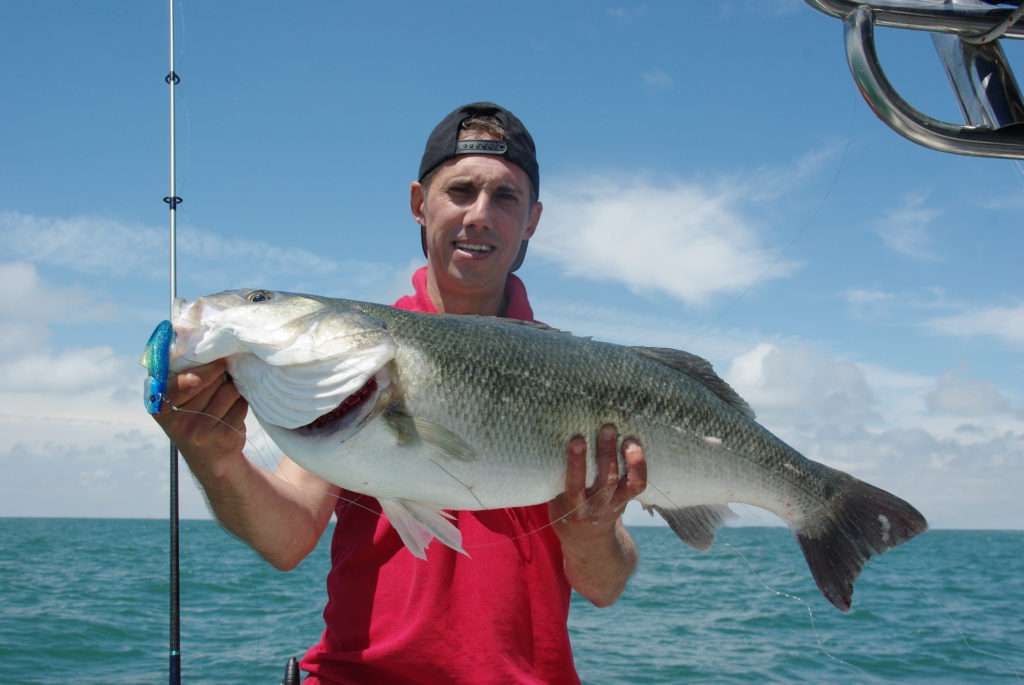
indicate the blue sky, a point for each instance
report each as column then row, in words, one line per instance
column 712, row 181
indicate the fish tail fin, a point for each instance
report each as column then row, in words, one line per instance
column 862, row 521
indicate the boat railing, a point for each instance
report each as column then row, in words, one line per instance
column 966, row 35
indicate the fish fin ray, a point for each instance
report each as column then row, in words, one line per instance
column 864, row 521
column 410, row 430
column 289, row 396
column 695, row 525
column 700, row 370
column 520, row 323
column 418, row 524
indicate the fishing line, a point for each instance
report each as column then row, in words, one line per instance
column 810, row 611
column 802, row 229
column 758, row 576
column 268, row 459
column 963, row 638
column 251, row 445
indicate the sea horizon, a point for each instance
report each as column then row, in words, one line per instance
column 653, row 524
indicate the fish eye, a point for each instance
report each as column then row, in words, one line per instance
column 259, row 296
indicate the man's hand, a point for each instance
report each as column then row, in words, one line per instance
column 280, row 515
column 208, row 424
column 599, row 553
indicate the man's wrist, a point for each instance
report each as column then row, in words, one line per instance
column 217, row 469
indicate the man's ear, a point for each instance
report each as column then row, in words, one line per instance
column 417, row 197
column 535, row 212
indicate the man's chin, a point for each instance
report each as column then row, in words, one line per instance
column 484, row 275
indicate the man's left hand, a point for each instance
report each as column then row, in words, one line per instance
column 598, row 552
column 583, row 511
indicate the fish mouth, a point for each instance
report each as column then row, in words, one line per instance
column 351, row 413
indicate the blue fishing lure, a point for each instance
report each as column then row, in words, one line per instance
column 157, row 360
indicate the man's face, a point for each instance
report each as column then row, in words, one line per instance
column 477, row 212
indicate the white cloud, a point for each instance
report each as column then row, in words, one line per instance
column 119, row 474
column 678, row 238
column 74, row 395
column 658, row 79
column 66, row 371
column 627, row 14
column 906, row 229
column 1004, row 323
column 875, row 424
column 803, row 387
column 261, row 256
column 108, row 247
column 768, row 183
column 86, row 244
column 27, row 298
column 858, row 296
column 955, row 395
column 627, row 327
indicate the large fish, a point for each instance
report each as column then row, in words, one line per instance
column 433, row 412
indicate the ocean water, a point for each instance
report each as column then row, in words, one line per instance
column 85, row 601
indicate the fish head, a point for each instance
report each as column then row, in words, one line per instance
column 302, row 362
column 219, row 325
column 281, row 328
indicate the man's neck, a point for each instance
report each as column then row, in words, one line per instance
column 487, row 304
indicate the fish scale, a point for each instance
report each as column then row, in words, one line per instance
column 547, row 383
column 470, row 412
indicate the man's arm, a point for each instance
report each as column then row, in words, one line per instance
column 599, row 554
column 280, row 515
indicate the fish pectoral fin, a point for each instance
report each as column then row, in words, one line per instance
column 294, row 394
column 411, row 430
column 695, row 525
column 417, row 524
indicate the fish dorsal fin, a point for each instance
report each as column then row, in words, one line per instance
column 536, row 325
column 700, row 370
column 695, row 525
column 520, row 323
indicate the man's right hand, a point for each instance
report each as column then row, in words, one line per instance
column 205, row 417
column 281, row 514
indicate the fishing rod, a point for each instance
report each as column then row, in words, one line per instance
column 174, row 647
column 292, row 673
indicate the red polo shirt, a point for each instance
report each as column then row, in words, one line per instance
column 498, row 616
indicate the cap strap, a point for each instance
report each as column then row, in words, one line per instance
column 481, row 147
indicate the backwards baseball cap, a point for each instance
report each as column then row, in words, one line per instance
column 517, row 147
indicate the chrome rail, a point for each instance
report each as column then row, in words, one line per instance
column 962, row 17
column 979, row 72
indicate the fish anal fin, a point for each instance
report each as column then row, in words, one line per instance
column 695, row 525
column 863, row 521
column 418, row 524
column 700, row 370
column 410, row 430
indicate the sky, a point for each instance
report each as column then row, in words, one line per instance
column 711, row 179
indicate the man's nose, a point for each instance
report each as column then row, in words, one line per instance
column 479, row 214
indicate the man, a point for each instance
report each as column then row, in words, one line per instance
column 498, row 616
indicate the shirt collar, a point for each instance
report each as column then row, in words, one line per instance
column 517, row 302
